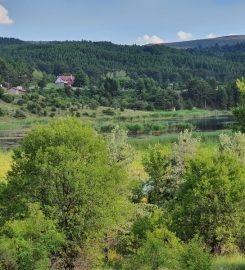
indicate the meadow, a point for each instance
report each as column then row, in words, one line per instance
column 236, row 262
column 5, row 163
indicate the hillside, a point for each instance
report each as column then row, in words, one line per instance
column 161, row 63
column 207, row 43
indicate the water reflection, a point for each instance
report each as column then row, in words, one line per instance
column 209, row 123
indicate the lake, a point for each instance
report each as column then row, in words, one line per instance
column 10, row 138
column 209, row 123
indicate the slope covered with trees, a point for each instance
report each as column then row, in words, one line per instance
column 97, row 58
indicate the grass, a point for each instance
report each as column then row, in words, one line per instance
column 236, row 262
column 132, row 116
column 209, row 139
column 21, row 123
column 5, row 163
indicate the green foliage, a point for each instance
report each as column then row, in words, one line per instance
column 2, row 112
column 119, row 149
column 210, row 202
column 158, row 62
column 233, row 262
column 42, row 83
column 241, row 85
column 151, row 245
column 160, row 249
column 19, row 114
column 8, row 98
column 166, row 168
column 29, row 244
column 195, row 257
column 37, row 75
column 234, row 145
column 81, row 79
column 239, row 112
column 65, row 167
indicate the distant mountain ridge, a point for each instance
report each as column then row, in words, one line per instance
column 10, row 41
column 207, row 43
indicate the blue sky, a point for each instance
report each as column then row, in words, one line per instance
column 121, row 21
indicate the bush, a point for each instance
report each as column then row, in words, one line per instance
column 195, row 257
column 2, row 112
column 108, row 111
column 212, row 194
column 8, row 98
column 135, row 129
column 29, row 244
column 19, row 114
column 93, row 105
column 20, row 102
column 161, row 249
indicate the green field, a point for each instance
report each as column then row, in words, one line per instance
column 236, row 262
column 5, row 163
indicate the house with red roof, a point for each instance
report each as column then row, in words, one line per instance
column 62, row 80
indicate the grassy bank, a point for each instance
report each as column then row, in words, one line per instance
column 136, row 116
column 208, row 139
column 236, row 262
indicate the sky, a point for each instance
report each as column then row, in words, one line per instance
column 121, row 21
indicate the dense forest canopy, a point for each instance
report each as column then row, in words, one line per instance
column 160, row 63
column 123, row 76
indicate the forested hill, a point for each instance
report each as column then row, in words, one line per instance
column 97, row 58
column 209, row 42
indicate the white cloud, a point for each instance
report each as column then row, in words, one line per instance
column 184, row 35
column 146, row 39
column 211, row 35
column 4, row 17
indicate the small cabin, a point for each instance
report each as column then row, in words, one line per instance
column 63, row 81
column 18, row 90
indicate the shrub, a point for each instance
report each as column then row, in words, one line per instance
column 20, row 102
column 8, row 98
column 161, row 249
column 135, row 129
column 212, row 194
column 29, row 244
column 195, row 257
column 2, row 112
column 108, row 111
column 19, row 114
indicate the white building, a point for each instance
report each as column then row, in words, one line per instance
column 62, row 81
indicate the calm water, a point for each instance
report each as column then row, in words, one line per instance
column 209, row 123
column 10, row 139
